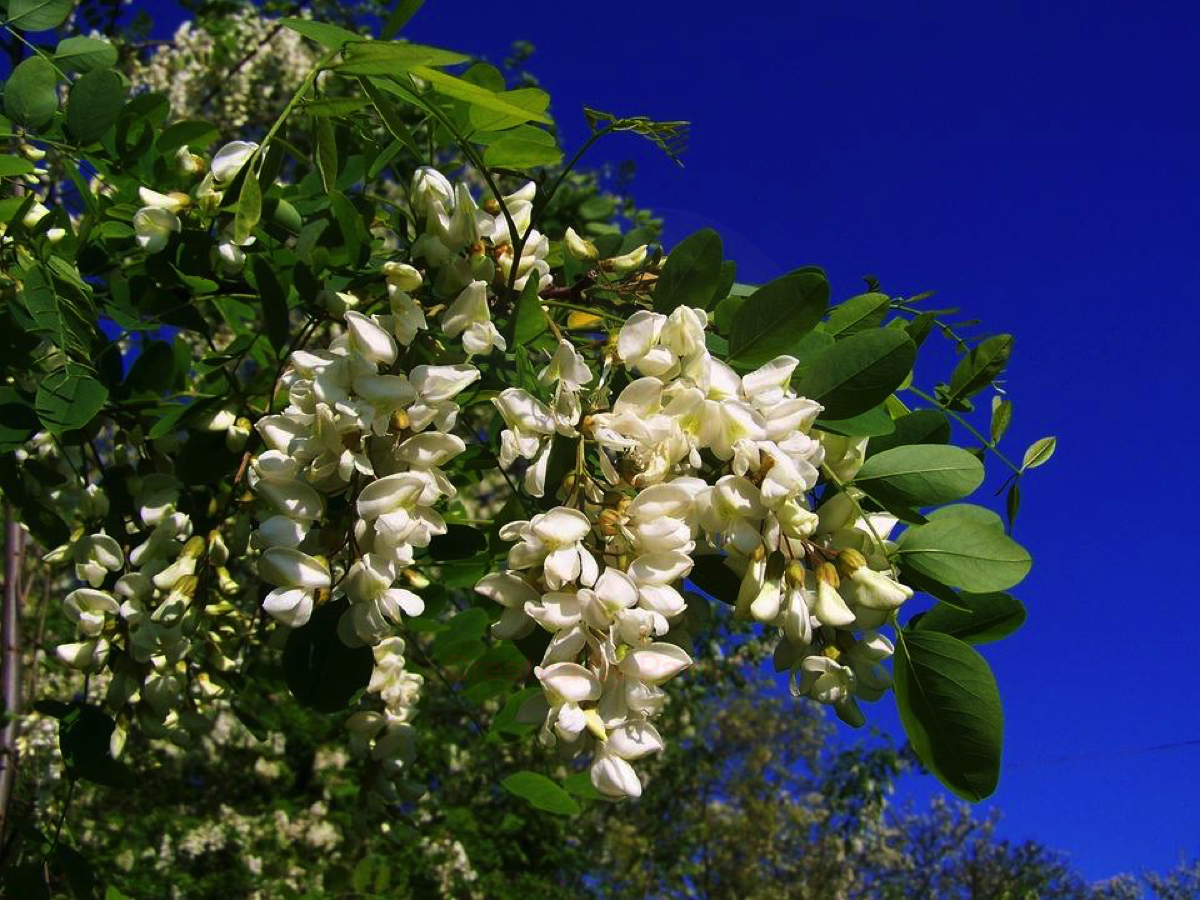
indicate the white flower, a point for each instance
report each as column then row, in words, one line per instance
column 229, row 160
column 173, row 202
column 875, row 590
column 88, row 609
column 566, row 367
column 370, row 338
column 614, row 777
column 468, row 315
column 298, row 577
column 656, row 663
column 554, row 540
column 568, row 682
column 153, row 228
column 95, row 556
column 513, row 593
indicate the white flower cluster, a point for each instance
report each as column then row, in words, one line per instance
column 147, row 607
column 158, row 218
column 194, row 70
column 470, row 247
column 694, row 460
column 359, row 434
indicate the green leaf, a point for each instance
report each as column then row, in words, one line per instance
column 965, row 555
column 951, row 711
column 857, row 314
column 18, row 421
column 1001, row 417
column 391, row 119
column 978, row 369
column 459, row 542
column 321, row 671
column 1039, row 453
column 68, row 401
column 84, row 734
column 30, row 94
column 191, row 133
column 330, row 36
column 859, row 372
column 920, row 475
column 711, row 575
column 691, row 273
column 776, row 317
column 1012, row 503
column 530, row 148
column 873, row 423
column 530, row 319
column 83, row 54
column 531, row 100
column 506, row 104
column 726, row 311
column 327, row 153
column 274, row 301
column 94, row 104
column 153, row 371
column 249, row 208
column 14, row 165
column 335, row 106
column 394, row 58
column 405, row 10
column 541, row 793
column 921, row 426
column 986, row 618
column 38, row 15
column 580, row 785
column 969, row 512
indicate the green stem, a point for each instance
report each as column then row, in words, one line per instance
column 37, row 51
column 991, row 445
column 304, row 88
column 828, row 473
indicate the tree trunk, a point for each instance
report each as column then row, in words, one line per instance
column 10, row 665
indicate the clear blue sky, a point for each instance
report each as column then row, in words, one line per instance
column 1036, row 164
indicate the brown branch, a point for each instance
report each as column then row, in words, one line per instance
column 10, row 674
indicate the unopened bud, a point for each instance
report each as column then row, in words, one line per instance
column 850, row 561
column 580, row 248
column 827, row 573
column 629, row 261
column 400, row 421
column 415, row 578
column 194, row 548
column 795, row 572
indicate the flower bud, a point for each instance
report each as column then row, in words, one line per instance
column 850, row 561
column 188, row 163
column 629, row 261
column 579, row 247
column 402, row 276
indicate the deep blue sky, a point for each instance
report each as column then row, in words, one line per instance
column 1036, row 164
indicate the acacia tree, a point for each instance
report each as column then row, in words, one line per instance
column 264, row 412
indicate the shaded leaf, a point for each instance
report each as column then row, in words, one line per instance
column 691, row 273
column 94, row 104
column 951, row 711
column 776, row 317
column 859, row 372
column 982, row 619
